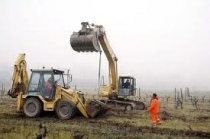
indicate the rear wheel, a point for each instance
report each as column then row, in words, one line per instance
column 32, row 107
column 65, row 109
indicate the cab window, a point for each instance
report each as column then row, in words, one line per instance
column 34, row 82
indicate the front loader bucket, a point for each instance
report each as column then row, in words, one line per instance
column 95, row 108
column 85, row 42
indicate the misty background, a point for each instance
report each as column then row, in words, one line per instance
column 163, row 43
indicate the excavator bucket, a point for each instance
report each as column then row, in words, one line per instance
column 85, row 40
column 95, row 108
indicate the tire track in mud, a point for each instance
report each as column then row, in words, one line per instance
column 103, row 124
column 122, row 127
column 116, row 126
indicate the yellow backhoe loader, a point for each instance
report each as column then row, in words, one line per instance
column 46, row 91
column 91, row 38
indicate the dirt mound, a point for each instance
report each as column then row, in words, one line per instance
column 127, row 126
column 202, row 118
column 171, row 116
column 165, row 115
column 5, row 129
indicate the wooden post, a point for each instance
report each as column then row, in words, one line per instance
column 175, row 98
column 2, row 90
column 181, row 101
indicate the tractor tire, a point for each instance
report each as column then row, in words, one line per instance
column 65, row 109
column 32, row 107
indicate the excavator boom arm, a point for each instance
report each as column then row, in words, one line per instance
column 112, row 59
column 88, row 39
column 19, row 78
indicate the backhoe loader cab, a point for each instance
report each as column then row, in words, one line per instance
column 43, row 82
column 127, row 86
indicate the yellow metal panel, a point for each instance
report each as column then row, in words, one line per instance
column 73, row 96
column 49, row 106
column 104, row 91
column 19, row 102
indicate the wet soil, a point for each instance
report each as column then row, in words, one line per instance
column 104, row 125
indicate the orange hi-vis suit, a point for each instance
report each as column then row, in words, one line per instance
column 154, row 109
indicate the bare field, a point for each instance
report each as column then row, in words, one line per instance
column 176, row 124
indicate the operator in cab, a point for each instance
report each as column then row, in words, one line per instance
column 48, row 84
column 126, row 84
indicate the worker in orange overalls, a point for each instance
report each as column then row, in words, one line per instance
column 154, row 109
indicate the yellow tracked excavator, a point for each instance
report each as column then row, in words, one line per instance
column 91, row 38
column 46, row 91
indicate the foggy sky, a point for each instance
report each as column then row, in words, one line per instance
column 163, row 43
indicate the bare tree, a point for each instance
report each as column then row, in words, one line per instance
column 196, row 102
column 178, row 99
column 167, row 98
column 203, row 99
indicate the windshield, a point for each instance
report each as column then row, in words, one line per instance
column 58, row 78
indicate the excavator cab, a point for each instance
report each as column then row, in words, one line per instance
column 43, row 82
column 127, row 86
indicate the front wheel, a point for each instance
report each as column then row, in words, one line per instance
column 65, row 109
column 32, row 107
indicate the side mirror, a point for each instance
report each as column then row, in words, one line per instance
column 69, row 79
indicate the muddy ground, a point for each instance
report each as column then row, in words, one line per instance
column 133, row 124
